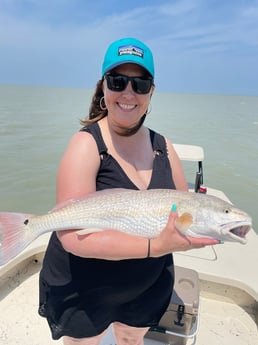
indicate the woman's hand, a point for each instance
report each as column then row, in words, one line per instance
column 171, row 240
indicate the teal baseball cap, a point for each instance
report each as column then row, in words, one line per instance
column 128, row 50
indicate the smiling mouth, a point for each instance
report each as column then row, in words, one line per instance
column 126, row 106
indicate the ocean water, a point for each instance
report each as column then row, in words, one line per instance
column 37, row 123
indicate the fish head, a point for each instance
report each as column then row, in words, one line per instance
column 212, row 217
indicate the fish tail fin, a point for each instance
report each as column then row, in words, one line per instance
column 14, row 236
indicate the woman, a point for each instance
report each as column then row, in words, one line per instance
column 89, row 282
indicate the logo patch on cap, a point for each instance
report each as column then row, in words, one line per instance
column 130, row 50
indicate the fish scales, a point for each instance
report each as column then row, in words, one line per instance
column 123, row 212
column 144, row 213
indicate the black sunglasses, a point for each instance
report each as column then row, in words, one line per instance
column 119, row 82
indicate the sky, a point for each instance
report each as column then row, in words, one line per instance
column 199, row 46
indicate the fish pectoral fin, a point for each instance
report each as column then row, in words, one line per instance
column 87, row 231
column 184, row 222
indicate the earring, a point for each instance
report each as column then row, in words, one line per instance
column 149, row 109
column 102, row 104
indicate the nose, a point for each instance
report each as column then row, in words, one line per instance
column 129, row 89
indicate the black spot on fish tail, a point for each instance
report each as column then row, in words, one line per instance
column 26, row 221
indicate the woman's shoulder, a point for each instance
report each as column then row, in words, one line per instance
column 81, row 144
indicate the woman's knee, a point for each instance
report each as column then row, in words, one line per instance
column 83, row 341
column 127, row 335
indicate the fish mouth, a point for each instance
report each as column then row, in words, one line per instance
column 237, row 231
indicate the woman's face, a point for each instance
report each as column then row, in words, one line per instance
column 125, row 108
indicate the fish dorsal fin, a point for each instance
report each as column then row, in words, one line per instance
column 184, row 222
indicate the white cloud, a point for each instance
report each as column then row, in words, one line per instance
column 76, row 35
column 178, row 8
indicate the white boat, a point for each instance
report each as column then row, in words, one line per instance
column 217, row 290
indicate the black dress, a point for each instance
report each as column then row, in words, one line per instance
column 81, row 297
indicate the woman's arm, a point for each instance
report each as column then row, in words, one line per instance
column 115, row 245
column 76, row 177
column 78, row 168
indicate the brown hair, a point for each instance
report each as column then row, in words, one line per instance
column 95, row 112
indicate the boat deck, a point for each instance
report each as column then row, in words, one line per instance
column 228, row 315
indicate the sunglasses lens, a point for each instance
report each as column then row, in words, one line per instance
column 140, row 85
column 117, row 82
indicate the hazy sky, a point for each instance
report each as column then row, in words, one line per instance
column 199, row 46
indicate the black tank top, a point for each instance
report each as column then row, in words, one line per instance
column 131, row 277
column 111, row 175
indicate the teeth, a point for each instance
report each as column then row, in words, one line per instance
column 126, row 106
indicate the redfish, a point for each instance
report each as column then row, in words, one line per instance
column 144, row 213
